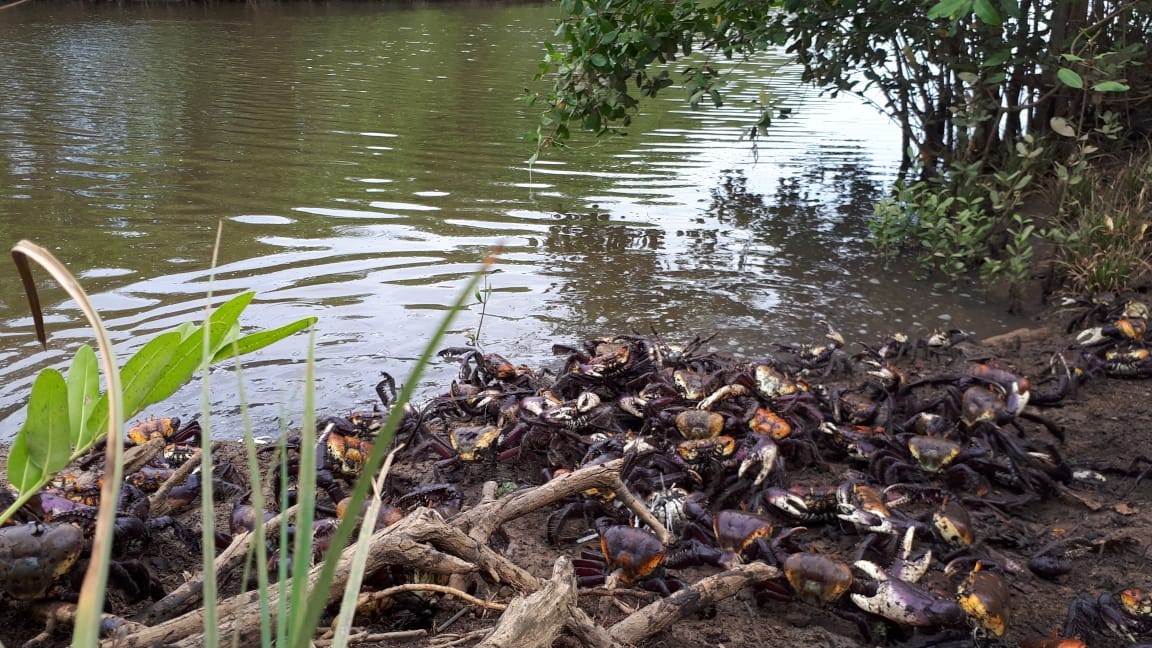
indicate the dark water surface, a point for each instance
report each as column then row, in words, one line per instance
column 364, row 158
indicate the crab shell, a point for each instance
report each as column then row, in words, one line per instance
column 737, row 530
column 634, row 552
column 699, row 424
column 769, row 423
column 34, row 555
column 817, row 578
column 983, row 597
column 471, row 440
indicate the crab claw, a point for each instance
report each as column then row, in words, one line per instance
column 765, row 453
column 791, row 504
column 872, row 522
column 904, row 567
column 1090, row 336
column 905, row 603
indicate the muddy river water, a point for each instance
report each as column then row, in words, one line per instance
column 362, row 160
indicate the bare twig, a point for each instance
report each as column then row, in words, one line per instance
column 158, row 503
column 429, row 587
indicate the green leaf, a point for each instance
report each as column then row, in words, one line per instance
column 997, row 58
column 1070, row 78
column 1110, row 86
column 950, row 9
column 178, row 370
column 1071, row 58
column 599, row 60
column 1060, row 126
column 42, row 445
column 229, row 312
column 256, row 341
column 145, row 368
column 987, row 13
column 83, row 390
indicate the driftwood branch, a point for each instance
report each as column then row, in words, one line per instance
column 236, row 613
column 535, row 620
column 659, row 616
column 483, row 520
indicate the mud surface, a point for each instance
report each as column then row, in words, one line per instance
column 1100, row 523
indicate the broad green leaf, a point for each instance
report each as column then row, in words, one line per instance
column 145, row 368
column 229, row 311
column 44, row 439
column 83, row 389
column 1070, row 78
column 257, row 341
column 186, row 329
column 1072, row 58
column 180, row 367
column 1110, row 86
column 986, row 12
column 21, row 473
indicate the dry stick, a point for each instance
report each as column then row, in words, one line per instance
column 535, row 621
column 158, row 502
column 189, row 593
column 425, row 525
column 486, row 518
column 588, row 631
column 660, row 615
column 59, row 612
column 428, row 587
column 387, row 548
column 137, row 456
column 365, row 637
column 444, row 641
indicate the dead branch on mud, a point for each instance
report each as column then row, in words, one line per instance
column 534, row 621
column 424, row 541
column 661, row 614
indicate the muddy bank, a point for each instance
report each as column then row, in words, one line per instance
column 1095, row 525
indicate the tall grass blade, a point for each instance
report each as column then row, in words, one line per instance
column 360, row 555
column 305, row 498
column 309, row 617
column 91, row 602
column 256, row 499
column 220, row 323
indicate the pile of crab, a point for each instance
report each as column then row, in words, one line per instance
column 733, row 456
column 45, row 546
column 873, row 481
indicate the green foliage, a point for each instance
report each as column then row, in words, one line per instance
column 66, row 416
column 603, row 66
column 969, row 81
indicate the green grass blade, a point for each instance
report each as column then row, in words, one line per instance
column 256, row 498
column 309, row 617
column 197, row 350
column 305, row 498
